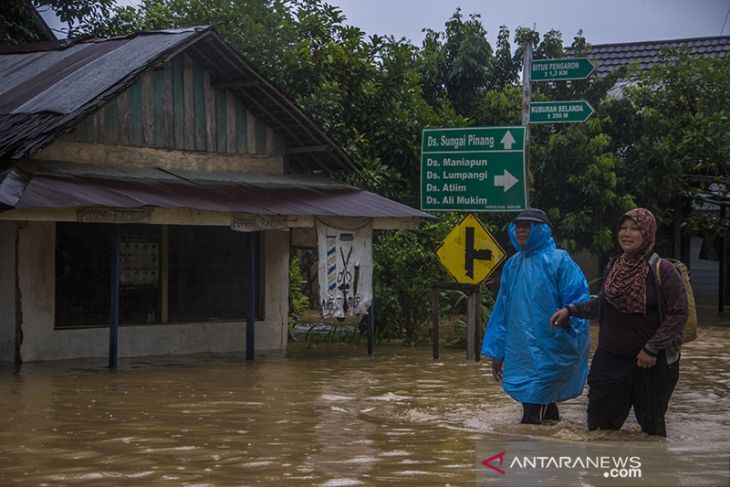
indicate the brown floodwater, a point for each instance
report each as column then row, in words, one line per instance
column 327, row 416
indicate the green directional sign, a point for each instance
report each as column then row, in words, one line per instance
column 473, row 169
column 561, row 69
column 560, row 111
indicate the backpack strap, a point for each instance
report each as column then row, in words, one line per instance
column 655, row 263
column 609, row 264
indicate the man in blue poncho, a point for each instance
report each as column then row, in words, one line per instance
column 537, row 363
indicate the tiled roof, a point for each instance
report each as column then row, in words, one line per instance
column 609, row 57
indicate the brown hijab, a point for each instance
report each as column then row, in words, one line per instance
column 625, row 286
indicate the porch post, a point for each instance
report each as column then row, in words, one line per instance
column 722, row 284
column 371, row 324
column 114, row 325
column 250, row 295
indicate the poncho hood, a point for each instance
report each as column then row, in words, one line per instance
column 540, row 239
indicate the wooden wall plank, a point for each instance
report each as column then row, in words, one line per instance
column 250, row 133
column 210, row 138
column 189, row 127
column 231, row 122
column 240, row 127
column 123, row 117
column 148, row 113
column 178, row 104
column 260, row 137
column 111, row 126
column 158, row 86
column 86, row 129
column 221, row 120
column 162, row 101
column 270, row 141
column 199, row 100
column 136, row 129
column 98, row 134
column 168, row 120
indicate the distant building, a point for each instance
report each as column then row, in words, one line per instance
column 609, row 57
column 703, row 254
column 172, row 151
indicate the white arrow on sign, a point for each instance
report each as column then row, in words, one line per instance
column 506, row 180
column 507, row 140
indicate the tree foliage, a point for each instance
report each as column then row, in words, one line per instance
column 676, row 139
column 660, row 144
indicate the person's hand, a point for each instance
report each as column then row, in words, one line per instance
column 497, row 369
column 644, row 360
column 561, row 318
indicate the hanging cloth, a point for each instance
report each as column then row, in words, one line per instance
column 345, row 269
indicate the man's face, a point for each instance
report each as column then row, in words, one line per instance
column 522, row 232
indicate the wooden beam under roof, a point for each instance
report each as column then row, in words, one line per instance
column 304, row 149
column 237, row 84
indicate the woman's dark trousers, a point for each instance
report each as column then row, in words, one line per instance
column 615, row 383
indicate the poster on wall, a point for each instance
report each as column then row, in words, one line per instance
column 345, row 269
column 140, row 262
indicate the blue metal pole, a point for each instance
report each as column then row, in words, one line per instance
column 250, row 295
column 114, row 325
column 371, row 324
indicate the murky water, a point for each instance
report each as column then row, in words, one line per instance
column 326, row 417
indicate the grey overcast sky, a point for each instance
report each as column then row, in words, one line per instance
column 602, row 21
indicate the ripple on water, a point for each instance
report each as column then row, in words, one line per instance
column 360, row 460
column 335, row 397
column 341, row 482
column 394, row 453
column 420, row 416
column 389, row 397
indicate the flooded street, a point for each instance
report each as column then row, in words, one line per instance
column 330, row 416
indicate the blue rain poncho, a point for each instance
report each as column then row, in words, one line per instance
column 542, row 364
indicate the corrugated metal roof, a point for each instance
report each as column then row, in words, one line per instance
column 49, row 91
column 81, row 73
column 609, row 57
column 67, row 185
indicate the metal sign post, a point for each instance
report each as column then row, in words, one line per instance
column 470, row 254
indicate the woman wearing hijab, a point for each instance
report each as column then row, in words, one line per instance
column 637, row 359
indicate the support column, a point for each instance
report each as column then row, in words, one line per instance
column 722, row 284
column 115, row 276
column 371, row 325
column 250, row 295
column 18, row 359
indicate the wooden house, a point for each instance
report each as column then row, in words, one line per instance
column 150, row 187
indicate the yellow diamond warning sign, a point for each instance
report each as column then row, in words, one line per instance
column 469, row 252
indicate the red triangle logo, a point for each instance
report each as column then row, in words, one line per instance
column 500, row 456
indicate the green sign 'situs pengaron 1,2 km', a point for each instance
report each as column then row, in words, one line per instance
column 473, row 169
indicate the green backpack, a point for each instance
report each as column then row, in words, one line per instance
column 689, row 332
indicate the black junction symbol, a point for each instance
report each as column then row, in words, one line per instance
column 471, row 254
